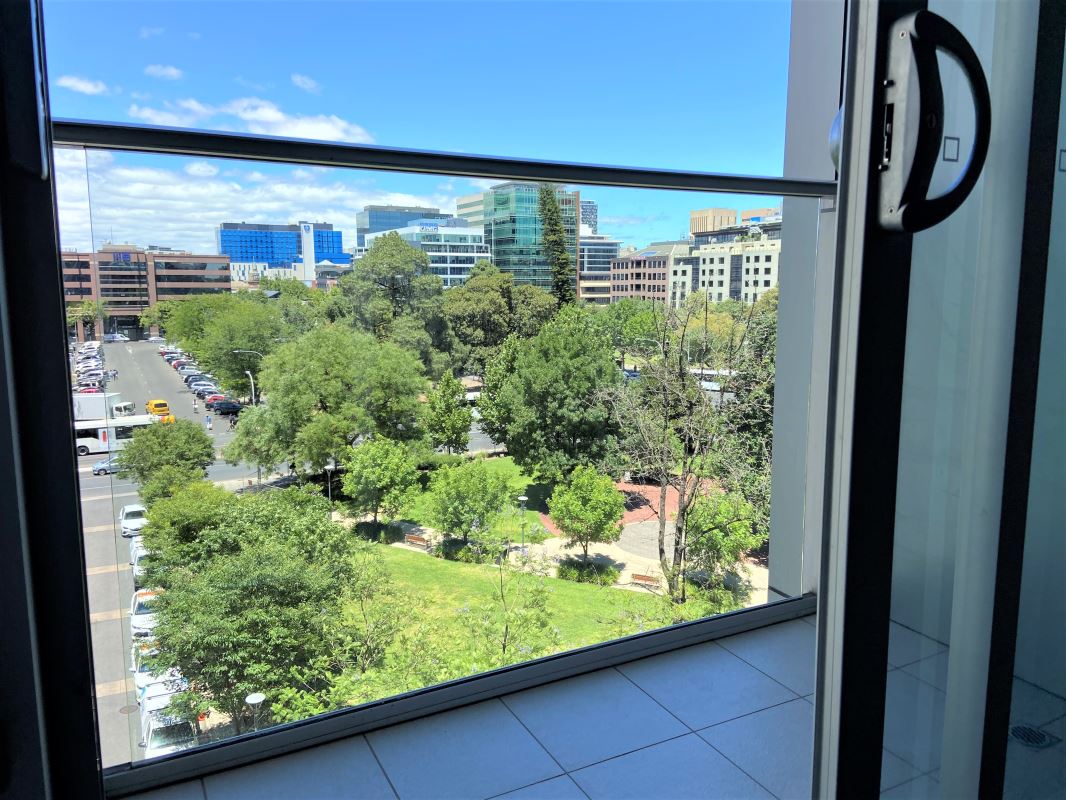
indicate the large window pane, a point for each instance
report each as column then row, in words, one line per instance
column 692, row 85
column 383, row 458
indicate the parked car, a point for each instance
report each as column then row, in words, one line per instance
column 212, row 398
column 116, row 337
column 88, row 390
column 190, row 377
column 204, row 391
column 106, row 467
column 155, row 339
column 132, row 518
column 142, row 613
column 196, row 386
column 137, row 555
column 227, row 407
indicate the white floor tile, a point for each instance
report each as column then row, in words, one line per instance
column 921, row 788
column 894, row 771
column 475, row 751
column 190, row 790
column 705, row 684
column 933, row 670
column 1032, row 704
column 341, row 769
column 561, row 788
column 906, row 646
column 679, row 769
column 914, row 720
column 774, row 746
column 785, row 652
column 591, row 717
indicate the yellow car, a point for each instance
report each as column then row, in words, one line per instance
column 157, row 407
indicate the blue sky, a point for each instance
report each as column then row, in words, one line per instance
column 693, row 85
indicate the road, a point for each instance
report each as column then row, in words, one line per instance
column 142, row 375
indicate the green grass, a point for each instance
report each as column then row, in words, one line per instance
column 582, row 612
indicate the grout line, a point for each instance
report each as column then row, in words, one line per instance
column 642, row 691
column 380, row 766
column 767, row 674
column 735, row 764
column 538, row 783
column 203, row 788
column 747, row 714
column 525, row 727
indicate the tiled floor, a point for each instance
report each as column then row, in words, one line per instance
column 731, row 719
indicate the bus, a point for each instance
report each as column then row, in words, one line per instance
column 107, row 435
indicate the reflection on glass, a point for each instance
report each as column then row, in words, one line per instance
column 365, row 434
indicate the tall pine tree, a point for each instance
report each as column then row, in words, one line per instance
column 553, row 245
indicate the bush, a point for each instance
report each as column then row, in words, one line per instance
column 470, row 553
column 572, row 569
column 378, row 532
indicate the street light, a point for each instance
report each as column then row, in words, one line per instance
column 522, row 523
column 248, row 372
column 254, row 701
column 330, row 466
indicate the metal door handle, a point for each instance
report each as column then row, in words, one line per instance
column 911, row 134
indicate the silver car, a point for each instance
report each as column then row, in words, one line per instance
column 131, row 519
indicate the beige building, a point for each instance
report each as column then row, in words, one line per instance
column 711, row 219
column 741, row 269
column 471, row 207
column 662, row 271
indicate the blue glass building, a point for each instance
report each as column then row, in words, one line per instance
column 278, row 245
column 374, row 219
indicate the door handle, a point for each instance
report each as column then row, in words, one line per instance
column 912, row 127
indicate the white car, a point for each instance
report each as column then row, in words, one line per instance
column 196, row 386
column 116, row 337
column 137, row 553
column 131, row 519
column 142, row 613
column 156, row 340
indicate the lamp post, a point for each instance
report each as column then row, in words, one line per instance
column 522, row 522
column 248, row 372
column 254, row 701
column 330, row 466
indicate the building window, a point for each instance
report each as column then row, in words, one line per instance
column 721, row 260
column 768, row 259
column 766, row 283
column 719, row 296
column 747, row 259
column 756, row 259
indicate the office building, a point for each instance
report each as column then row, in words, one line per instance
column 471, row 208
column 661, row 272
column 711, row 219
column 595, row 254
column 513, row 230
column 277, row 245
column 452, row 248
column 128, row 279
column 374, row 219
column 739, row 263
column 756, row 215
column 590, row 215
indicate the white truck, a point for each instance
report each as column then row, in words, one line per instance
column 100, row 406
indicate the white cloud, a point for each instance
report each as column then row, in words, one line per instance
column 263, row 116
column 164, row 71
column 201, row 169
column 81, row 85
column 247, row 84
column 135, row 200
column 148, row 33
column 303, row 175
column 140, row 96
column 484, row 183
column 156, row 116
column 305, row 82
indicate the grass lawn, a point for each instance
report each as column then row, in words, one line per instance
column 509, row 526
column 583, row 613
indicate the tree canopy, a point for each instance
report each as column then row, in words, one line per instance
column 182, row 444
column 466, row 499
column 553, row 245
column 587, row 509
column 379, row 477
column 448, row 417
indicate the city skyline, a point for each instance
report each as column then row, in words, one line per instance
column 188, row 69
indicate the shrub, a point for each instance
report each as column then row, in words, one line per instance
column 572, row 569
column 467, row 553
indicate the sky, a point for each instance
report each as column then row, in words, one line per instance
column 688, row 85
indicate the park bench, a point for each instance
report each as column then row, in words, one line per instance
column 415, row 539
column 645, row 580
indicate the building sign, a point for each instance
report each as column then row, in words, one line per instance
column 429, row 227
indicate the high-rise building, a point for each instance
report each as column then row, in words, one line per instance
column 513, row 230
column 373, row 219
column 590, row 215
column 471, row 208
column 595, row 254
column 711, row 219
column 278, row 245
column 452, row 248
column 128, row 279
column 740, row 263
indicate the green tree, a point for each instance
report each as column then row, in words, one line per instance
column 531, row 308
column 448, row 417
column 587, row 509
column 156, row 315
column 379, row 478
column 721, row 531
column 543, row 397
column 466, row 500
column 182, row 444
column 183, row 530
column 88, row 313
column 167, row 480
column 553, row 245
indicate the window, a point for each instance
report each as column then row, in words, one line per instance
column 756, row 259
column 768, row 258
column 766, row 283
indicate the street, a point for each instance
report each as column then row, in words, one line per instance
column 142, row 375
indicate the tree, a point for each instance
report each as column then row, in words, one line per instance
column 466, row 500
column 543, row 397
column 587, row 509
column 553, row 245
column 167, row 480
column 182, row 444
column 87, row 312
column 720, row 533
column 183, row 530
column 448, row 418
column 379, row 477
column 627, row 323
